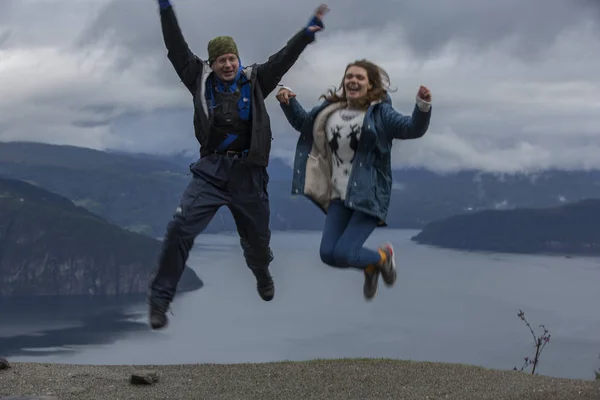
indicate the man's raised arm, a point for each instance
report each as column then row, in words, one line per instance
column 187, row 65
column 269, row 74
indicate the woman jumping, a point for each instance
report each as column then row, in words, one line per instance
column 342, row 164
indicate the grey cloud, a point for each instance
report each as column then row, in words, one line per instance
column 132, row 25
column 534, row 25
column 514, row 82
column 257, row 32
column 100, row 109
column 429, row 24
column 90, row 123
column 43, row 23
column 199, row 24
column 4, row 37
column 164, row 131
column 6, row 9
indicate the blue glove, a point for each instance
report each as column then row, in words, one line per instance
column 164, row 4
column 313, row 21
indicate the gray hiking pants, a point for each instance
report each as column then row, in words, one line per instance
column 218, row 180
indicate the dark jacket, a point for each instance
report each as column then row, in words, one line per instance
column 370, row 184
column 264, row 78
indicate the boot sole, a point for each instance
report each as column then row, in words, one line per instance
column 268, row 297
column 391, row 278
column 369, row 297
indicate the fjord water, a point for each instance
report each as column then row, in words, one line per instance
column 447, row 305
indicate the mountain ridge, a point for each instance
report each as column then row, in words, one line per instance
column 140, row 192
column 570, row 229
column 50, row 246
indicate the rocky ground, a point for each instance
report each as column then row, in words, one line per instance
column 339, row 379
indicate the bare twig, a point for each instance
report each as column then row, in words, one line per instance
column 539, row 342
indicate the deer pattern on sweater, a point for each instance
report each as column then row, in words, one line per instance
column 343, row 128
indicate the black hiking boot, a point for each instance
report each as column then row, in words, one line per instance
column 371, row 281
column 157, row 315
column 265, row 285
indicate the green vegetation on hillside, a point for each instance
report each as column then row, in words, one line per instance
column 49, row 246
column 141, row 192
column 569, row 229
column 136, row 194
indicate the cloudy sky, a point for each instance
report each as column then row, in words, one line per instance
column 515, row 83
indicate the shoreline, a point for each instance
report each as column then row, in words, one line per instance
column 316, row 379
column 504, row 252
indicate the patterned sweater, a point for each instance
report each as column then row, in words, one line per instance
column 343, row 129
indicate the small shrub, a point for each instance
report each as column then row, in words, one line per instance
column 540, row 342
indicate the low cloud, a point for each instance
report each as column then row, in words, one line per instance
column 514, row 84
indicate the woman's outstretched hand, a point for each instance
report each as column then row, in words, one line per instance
column 424, row 94
column 284, row 95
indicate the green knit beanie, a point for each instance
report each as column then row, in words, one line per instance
column 219, row 46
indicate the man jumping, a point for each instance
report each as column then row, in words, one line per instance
column 233, row 129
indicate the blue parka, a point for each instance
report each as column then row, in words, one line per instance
column 370, row 184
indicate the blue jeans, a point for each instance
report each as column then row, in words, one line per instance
column 344, row 235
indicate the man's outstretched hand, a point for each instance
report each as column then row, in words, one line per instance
column 163, row 4
column 316, row 23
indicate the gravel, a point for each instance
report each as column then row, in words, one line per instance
column 334, row 379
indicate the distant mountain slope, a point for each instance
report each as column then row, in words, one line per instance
column 49, row 246
column 139, row 194
column 64, row 156
column 141, row 191
column 568, row 229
